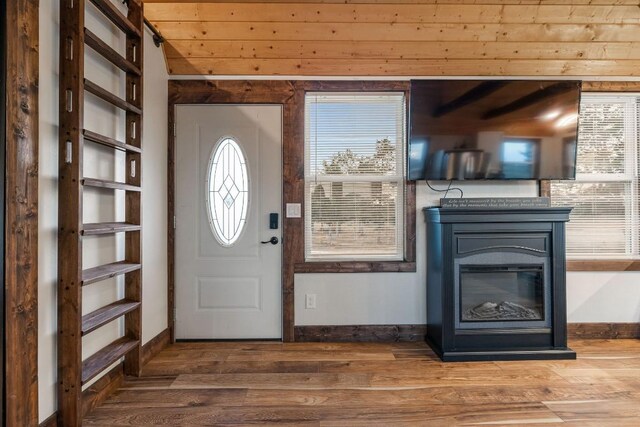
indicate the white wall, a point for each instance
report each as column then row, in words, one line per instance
column 400, row 298
column 603, row 297
column 100, row 162
column 154, row 191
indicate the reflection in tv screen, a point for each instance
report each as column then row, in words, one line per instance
column 493, row 129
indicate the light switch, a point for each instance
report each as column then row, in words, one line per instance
column 294, row 210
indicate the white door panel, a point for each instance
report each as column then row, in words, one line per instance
column 231, row 291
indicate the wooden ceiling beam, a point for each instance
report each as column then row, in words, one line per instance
column 479, row 92
column 528, row 100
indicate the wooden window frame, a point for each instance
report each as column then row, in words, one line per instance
column 545, row 191
column 408, row 264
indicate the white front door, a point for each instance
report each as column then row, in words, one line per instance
column 228, row 183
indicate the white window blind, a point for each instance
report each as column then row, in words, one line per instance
column 354, row 176
column 605, row 219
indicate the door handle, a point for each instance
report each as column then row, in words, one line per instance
column 274, row 241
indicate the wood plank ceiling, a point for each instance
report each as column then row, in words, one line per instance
column 400, row 37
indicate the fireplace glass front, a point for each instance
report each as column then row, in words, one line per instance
column 501, row 294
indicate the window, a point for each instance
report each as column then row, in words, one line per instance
column 519, row 158
column 227, row 191
column 354, row 176
column 605, row 220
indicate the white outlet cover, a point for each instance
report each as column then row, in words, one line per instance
column 310, row 301
column 294, row 210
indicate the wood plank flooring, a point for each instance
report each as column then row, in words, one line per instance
column 391, row 384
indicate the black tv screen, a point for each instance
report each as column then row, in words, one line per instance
column 493, row 129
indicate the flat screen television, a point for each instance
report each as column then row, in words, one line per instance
column 493, row 129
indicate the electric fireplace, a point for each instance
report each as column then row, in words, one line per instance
column 496, row 283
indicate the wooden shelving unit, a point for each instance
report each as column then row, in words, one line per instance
column 107, row 271
column 105, row 50
column 107, row 96
column 95, row 364
column 101, row 183
column 97, row 228
column 107, row 314
column 128, row 25
column 109, row 142
column 73, row 372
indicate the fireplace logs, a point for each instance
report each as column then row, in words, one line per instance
column 500, row 311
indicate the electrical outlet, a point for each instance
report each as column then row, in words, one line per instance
column 310, row 301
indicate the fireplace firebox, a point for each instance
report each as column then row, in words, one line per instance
column 496, row 283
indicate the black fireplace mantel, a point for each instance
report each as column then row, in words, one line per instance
column 491, row 215
column 467, row 250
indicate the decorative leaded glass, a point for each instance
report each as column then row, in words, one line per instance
column 227, row 191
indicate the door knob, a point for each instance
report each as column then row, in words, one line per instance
column 274, row 241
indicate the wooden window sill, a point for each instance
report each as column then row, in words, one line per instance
column 603, row 265
column 356, row 267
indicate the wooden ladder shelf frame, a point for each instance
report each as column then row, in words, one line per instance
column 73, row 372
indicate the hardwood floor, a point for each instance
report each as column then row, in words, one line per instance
column 393, row 384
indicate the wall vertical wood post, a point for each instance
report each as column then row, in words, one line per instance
column 71, row 103
column 133, row 203
column 21, row 213
column 73, row 372
column 3, row 139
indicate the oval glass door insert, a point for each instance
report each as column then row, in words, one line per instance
column 227, row 191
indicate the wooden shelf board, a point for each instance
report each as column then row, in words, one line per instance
column 109, row 53
column 101, row 360
column 109, row 142
column 109, row 10
column 107, row 314
column 101, row 183
column 106, row 271
column 97, row 228
column 112, row 99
